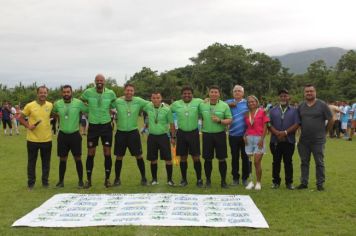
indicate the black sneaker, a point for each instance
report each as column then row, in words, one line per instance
column 275, row 186
column 200, row 183
column 290, row 186
column 107, row 183
column 87, row 184
column 183, row 183
column 144, row 182
column 224, row 185
column 244, row 182
column 235, row 182
column 208, row 183
column 60, row 184
column 302, row 186
column 320, row 188
column 117, row 182
column 80, row 184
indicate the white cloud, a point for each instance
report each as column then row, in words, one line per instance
column 57, row 42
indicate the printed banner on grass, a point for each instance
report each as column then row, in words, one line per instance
column 160, row 209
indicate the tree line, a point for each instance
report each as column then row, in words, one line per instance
column 225, row 65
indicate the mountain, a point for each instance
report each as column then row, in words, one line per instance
column 298, row 62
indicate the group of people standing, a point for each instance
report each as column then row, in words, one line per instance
column 247, row 122
column 9, row 116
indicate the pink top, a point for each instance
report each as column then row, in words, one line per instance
column 258, row 121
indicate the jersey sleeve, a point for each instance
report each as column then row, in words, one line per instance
column 84, row 95
column 227, row 114
column 27, row 110
column 83, row 107
column 55, row 107
column 143, row 102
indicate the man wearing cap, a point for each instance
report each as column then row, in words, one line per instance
column 284, row 121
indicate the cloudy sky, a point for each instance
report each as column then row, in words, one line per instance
column 70, row 41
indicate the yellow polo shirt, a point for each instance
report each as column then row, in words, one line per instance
column 35, row 112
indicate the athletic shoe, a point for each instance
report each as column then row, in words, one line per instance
column 107, row 183
column 275, row 186
column 117, row 182
column 244, row 182
column 208, row 183
column 302, row 186
column 290, row 186
column 87, row 184
column 183, row 183
column 170, row 183
column 224, row 185
column 235, row 182
column 80, row 184
column 200, row 183
column 320, row 188
column 250, row 186
column 154, row 182
column 144, row 182
column 60, row 184
column 258, row 186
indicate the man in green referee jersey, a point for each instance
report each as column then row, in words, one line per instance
column 68, row 110
column 188, row 141
column 159, row 119
column 99, row 100
column 216, row 116
column 128, row 109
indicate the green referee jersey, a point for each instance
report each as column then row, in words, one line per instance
column 128, row 112
column 187, row 113
column 158, row 118
column 220, row 109
column 69, row 114
column 99, row 105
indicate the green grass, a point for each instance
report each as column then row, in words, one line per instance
column 306, row 212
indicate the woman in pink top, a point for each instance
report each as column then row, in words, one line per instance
column 256, row 121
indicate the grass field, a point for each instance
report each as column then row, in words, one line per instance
column 299, row 212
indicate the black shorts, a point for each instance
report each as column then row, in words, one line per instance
column 8, row 122
column 127, row 139
column 161, row 143
column 214, row 142
column 69, row 142
column 104, row 131
column 188, row 142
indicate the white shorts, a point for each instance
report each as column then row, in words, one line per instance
column 343, row 125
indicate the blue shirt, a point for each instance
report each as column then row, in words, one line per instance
column 345, row 114
column 353, row 109
column 282, row 121
column 238, row 126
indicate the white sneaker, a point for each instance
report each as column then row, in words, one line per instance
column 258, row 186
column 250, row 186
column 154, row 182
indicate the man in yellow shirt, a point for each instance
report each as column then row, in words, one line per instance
column 39, row 135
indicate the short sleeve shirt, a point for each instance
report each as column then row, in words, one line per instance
column 255, row 123
column 187, row 113
column 128, row 112
column 312, row 120
column 158, row 118
column 69, row 114
column 99, row 105
column 238, row 125
column 354, row 111
column 36, row 112
column 345, row 113
column 282, row 120
column 207, row 110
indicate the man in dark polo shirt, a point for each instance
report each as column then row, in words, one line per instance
column 284, row 121
column 99, row 100
column 313, row 115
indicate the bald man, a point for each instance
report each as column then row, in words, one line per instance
column 99, row 100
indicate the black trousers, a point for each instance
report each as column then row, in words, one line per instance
column 282, row 150
column 32, row 152
column 237, row 146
